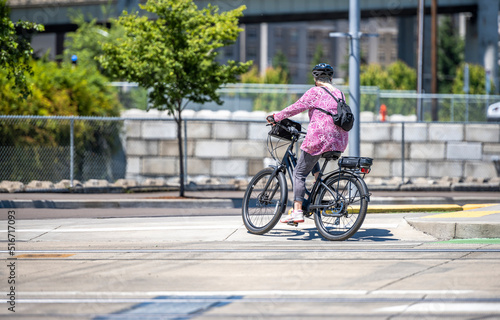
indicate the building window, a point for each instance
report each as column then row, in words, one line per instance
column 229, row 51
column 251, row 32
column 310, row 51
column 252, row 52
column 278, row 32
column 381, row 57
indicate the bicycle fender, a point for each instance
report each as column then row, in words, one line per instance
column 279, row 171
column 283, row 209
column 357, row 177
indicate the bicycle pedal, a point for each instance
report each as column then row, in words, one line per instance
column 291, row 223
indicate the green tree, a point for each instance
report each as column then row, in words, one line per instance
column 450, row 54
column 280, row 62
column 396, row 76
column 318, row 57
column 268, row 101
column 477, row 80
column 86, row 42
column 64, row 90
column 271, row 76
column 60, row 89
column 15, row 49
column 174, row 55
column 401, row 76
column 374, row 75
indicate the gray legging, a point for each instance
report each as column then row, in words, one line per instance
column 305, row 164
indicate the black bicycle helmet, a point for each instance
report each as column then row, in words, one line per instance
column 322, row 70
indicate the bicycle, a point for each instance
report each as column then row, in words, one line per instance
column 337, row 201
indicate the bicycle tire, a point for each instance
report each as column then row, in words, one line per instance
column 261, row 213
column 345, row 216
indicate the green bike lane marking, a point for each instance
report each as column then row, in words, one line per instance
column 472, row 241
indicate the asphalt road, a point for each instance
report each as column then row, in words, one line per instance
column 209, row 267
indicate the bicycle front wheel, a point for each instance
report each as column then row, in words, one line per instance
column 264, row 203
column 346, row 210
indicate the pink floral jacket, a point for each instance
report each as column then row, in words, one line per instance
column 322, row 134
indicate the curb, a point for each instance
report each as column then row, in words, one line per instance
column 456, row 230
column 108, row 204
column 195, row 204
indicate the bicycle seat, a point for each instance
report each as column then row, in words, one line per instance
column 331, row 155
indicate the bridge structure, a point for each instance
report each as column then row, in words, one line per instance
column 481, row 36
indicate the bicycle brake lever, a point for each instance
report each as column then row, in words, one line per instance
column 293, row 130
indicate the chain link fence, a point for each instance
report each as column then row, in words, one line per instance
column 53, row 149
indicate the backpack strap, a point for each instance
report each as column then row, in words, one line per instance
column 336, row 100
column 328, row 91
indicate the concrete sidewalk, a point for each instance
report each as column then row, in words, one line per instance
column 450, row 215
column 402, row 201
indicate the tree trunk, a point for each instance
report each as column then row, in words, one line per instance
column 181, row 153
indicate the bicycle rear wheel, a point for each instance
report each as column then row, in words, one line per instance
column 346, row 212
column 262, row 207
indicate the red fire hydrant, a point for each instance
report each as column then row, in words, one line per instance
column 383, row 112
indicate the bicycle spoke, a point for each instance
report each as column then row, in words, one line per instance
column 264, row 201
column 347, row 208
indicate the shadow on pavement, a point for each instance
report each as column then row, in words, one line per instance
column 301, row 234
column 374, row 235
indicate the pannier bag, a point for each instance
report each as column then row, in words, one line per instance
column 279, row 132
column 355, row 163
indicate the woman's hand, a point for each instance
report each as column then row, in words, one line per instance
column 270, row 119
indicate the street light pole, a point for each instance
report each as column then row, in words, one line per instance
column 354, row 61
column 354, row 86
column 420, row 58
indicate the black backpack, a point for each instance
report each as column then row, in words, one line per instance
column 344, row 117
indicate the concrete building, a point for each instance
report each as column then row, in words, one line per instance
column 299, row 41
column 298, row 27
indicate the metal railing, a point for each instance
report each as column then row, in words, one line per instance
column 272, row 97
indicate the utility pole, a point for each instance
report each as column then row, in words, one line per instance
column 420, row 58
column 354, row 61
column 434, row 84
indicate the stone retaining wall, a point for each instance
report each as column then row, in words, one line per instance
column 235, row 149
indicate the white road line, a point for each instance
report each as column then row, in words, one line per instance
column 153, row 228
column 444, row 307
column 73, row 230
column 334, row 250
column 253, row 293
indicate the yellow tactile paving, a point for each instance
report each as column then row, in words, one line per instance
column 478, row 206
column 462, row 214
column 413, row 208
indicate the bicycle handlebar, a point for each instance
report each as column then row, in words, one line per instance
column 290, row 129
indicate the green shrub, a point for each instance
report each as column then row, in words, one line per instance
column 31, row 148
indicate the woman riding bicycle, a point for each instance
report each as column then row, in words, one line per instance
column 322, row 135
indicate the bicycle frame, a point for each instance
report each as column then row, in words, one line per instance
column 288, row 164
